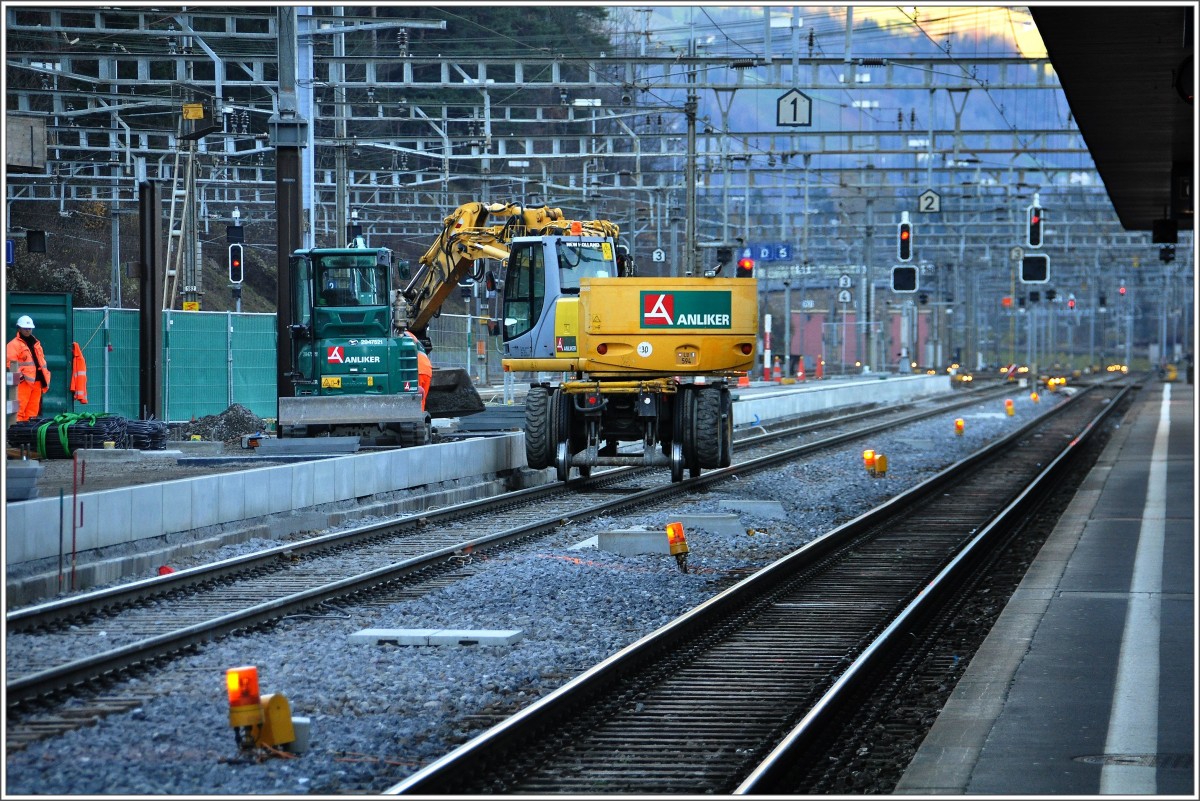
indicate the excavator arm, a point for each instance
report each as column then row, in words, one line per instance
column 466, row 238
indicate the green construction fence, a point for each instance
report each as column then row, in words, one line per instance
column 212, row 360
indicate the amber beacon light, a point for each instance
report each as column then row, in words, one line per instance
column 258, row 721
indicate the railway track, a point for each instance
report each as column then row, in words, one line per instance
column 731, row 697
column 115, row 630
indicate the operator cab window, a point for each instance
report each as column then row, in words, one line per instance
column 524, row 290
column 583, row 260
column 352, row 281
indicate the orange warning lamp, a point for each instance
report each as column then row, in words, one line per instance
column 1033, row 396
column 245, row 707
column 576, row 228
column 676, row 538
column 958, row 426
column 257, row 721
column 1008, row 407
column 880, row 465
column 869, row 460
column 677, row 542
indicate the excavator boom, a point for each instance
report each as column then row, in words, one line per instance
column 466, row 238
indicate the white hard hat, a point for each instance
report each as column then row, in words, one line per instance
column 24, row 321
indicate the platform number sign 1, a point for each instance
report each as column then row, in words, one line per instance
column 794, row 108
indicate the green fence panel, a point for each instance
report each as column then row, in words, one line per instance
column 255, row 383
column 196, row 357
column 111, row 347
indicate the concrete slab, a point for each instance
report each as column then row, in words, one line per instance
column 199, row 448
column 103, row 455
column 772, row 510
column 632, row 542
column 436, row 636
column 320, row 445
column 21, row 479
column 729, row 525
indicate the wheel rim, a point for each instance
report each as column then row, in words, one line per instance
column 676, row 461
column 562, row 461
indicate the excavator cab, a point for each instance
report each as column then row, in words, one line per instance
column 532, row 290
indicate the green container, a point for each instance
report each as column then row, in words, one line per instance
column 53, row 325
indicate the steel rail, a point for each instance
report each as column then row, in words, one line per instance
column 61, row 609
column 61, row 677
column 766, row 777
column 568, row 701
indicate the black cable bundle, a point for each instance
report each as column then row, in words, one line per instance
column 59, row 437
column 148, row 435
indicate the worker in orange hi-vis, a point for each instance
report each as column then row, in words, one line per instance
column 25, row 357
column 424, row 369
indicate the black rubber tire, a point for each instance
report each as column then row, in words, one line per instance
column 708, row 426
column 726, row 427
column 560, row 413
column 539, row 438
column 685, row 426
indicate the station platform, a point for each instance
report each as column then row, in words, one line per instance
column 1086, row 684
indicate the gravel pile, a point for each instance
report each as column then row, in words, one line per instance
column 229, row 426
column 378, row 713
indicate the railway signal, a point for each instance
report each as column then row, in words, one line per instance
column 1034, row 233
column 236, row 272
column 904, row 234
column 1035, row 269
column 904, row 279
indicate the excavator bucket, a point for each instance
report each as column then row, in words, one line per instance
column 451, row 393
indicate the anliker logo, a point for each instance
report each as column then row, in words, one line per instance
column 686, row 310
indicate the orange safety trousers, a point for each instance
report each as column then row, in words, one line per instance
column 424, row 376
column 29, row 400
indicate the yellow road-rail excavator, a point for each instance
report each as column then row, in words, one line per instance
column 614, row 358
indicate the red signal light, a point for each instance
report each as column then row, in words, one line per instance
column 745, row 267
column 904, row 243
